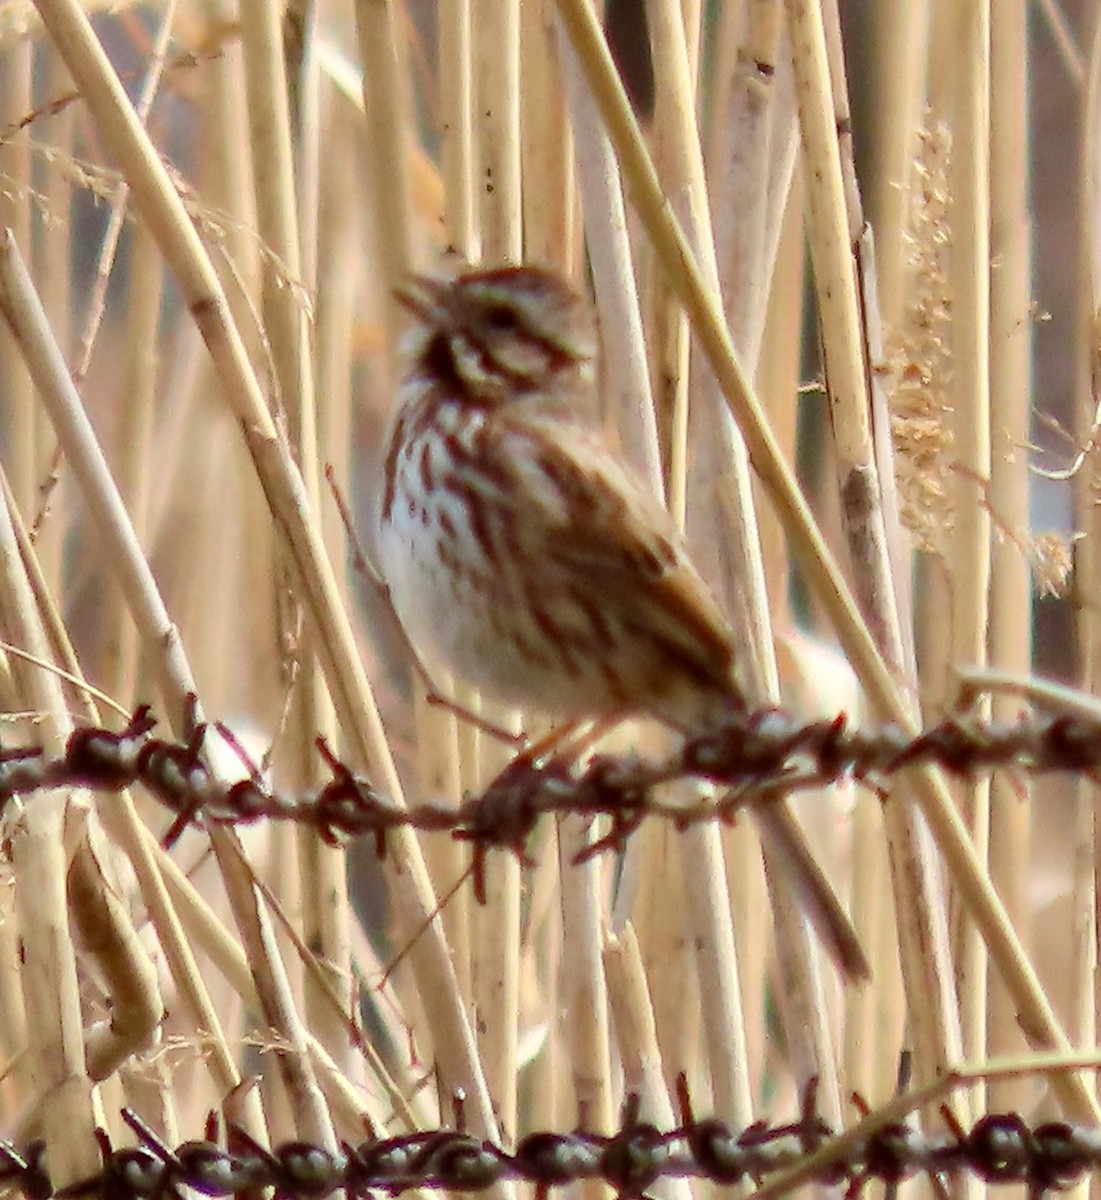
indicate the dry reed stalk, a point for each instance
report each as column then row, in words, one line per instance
column 583, row 991
column 230, row 532
column 56, row 238
column 326, row 918
column 284, row 320
column 673, row 117
column 1083, row 946
column 308, row 1112
column 1086, row 999
column 313, row 871
column 496, row 128
column 896, row 113
column 873, row 1024
column 496, row 121
column 833, row 229
column 1010, row 635
column 778, row 375
column 626, row 399
column 969, row 553
column 227, row 178
column 387, row 123
column 542, row 1104
column 133, row 441
column 637, row 1044
column 439, row 757
column 652, row 896
column 751, row 160
column 104, row 933
column 15, row 214
column 546, row 144
column 282, row 312
column 439, row 750
column 456, row 74
column 550, row 237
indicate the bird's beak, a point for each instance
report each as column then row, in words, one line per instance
column 422, row 295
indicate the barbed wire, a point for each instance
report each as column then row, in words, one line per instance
column 1000, row 1148
column 753, row 759
column 768, row 753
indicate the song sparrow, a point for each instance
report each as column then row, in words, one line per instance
column 520, row 551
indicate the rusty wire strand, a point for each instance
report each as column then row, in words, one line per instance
column 1000, row 1148
column 751, row 760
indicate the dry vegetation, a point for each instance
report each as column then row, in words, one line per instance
column 215, row 260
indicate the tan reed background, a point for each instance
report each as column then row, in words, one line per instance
column 212, row 246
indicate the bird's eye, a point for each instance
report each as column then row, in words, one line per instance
column 501, row 317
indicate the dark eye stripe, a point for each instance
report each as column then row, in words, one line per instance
column 439, row 359
column 555, row 359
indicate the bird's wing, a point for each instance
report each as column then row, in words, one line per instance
column 598, row 523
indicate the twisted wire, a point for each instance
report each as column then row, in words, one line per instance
column 751, row 760
column 1000, row 1148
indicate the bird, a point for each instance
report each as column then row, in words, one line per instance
column 521, row 552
